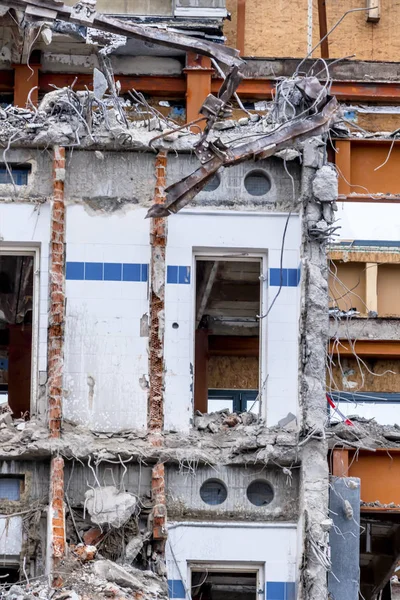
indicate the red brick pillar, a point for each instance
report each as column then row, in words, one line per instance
column 160, row 509
column 57, row 295
column 56, row 519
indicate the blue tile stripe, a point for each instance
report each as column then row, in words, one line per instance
column 178, row 274
column 176, row 588
column 289, row 277
column 96, row 271
column 281, row 590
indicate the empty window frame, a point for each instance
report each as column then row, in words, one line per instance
column 16, row 174
column 228, row 362
column 225, row 582
column 18, row 330
column 347, row 286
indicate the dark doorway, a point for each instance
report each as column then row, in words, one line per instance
column 222, row 585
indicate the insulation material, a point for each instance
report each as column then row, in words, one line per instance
column 369, row 375
column 347, row 286
column 233, row 372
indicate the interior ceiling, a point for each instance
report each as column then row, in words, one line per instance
column 228, row 295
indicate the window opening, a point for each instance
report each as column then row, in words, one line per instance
column 11, row 487
column 213, row 492
column 213, row 184
column 9, row 574
column 19, row 174
column 227, row 334
column 260, row 493
column 257, row 183
column 16, row 309
column 223, row 585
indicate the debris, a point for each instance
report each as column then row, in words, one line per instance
column 141, row 581
column 108, row 506
column 325, row 184
column 134, row 546
column 289, row 422
column 85, row 553
column 100, row 85
column 93, row 536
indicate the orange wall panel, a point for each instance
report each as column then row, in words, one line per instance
column 380, row 476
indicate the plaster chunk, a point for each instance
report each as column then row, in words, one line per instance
column 325, row 184
column 108, row 506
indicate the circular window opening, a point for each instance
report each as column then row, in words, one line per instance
column 213, row 492
column 260, row 493
column 257, row 183
column 212, row 185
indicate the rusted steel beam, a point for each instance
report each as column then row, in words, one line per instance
column 323, row 28
column 215, row 157
column 241, row 26
column 374, row 348
column 175, row 86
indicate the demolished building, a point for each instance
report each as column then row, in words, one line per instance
column 164, row 425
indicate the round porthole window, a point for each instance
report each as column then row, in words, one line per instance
column 260, row 493
column 213, row 492
column 257, row 183
column 213, row 184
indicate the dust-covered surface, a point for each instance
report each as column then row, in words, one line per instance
column 94, row 580
column 233, row 442
column 363, row 434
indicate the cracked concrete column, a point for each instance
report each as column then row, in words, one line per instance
column 158, row 241
column 316, row 219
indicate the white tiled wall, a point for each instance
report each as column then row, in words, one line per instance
column 272, row 546
column 103, row 342
column 192, row 232
column 27, row 225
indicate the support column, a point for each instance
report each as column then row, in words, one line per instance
column 56, row 518
column 56, row 521
column 158, row 240
column 371, row 285
column 314, row 324
column 198, row 85
column 57, row 296
column 25, row 78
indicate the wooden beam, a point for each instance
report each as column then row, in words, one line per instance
column 204, row 293
column 201, row 371
column 340, row 463
column 371, row 286
column 375, row 348
column 230, row 345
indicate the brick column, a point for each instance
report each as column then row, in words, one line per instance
column 57, row 295
column 160, row 509
column 56, row 520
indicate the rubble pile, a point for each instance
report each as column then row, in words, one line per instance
column 97, row 580
column 223, row 419
column 366, row 433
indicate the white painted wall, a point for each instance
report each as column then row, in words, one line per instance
column 194, row 231
column 10, row 535
column 103, row 343
column 368, row 221
column 271, row 545
column 28, row 225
